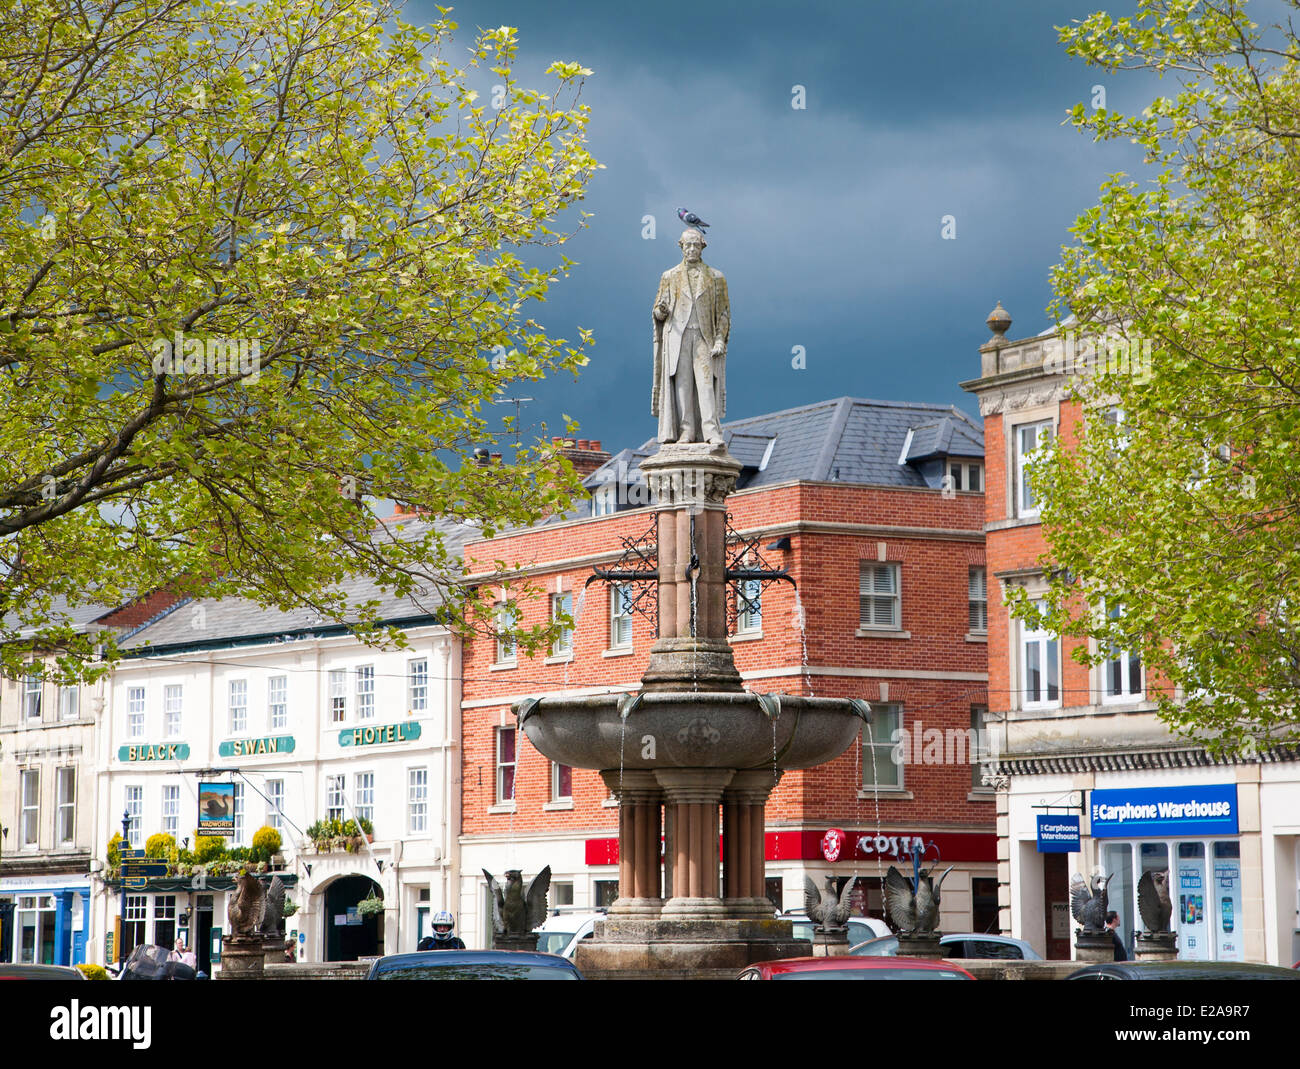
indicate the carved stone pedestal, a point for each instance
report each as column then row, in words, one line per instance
column 273, row 947
column 1094, row 947
column 242, row 957
column 830, row 942
column 1156, row 946
column 515, row 942
column 699, row 948
column 920, row 945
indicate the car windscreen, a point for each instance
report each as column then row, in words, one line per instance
column 553, row 942
column 871, row 974
column 471, row 971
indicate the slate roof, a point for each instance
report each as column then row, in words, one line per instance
column 224, row 620
column 844, row 439
column 79, row 617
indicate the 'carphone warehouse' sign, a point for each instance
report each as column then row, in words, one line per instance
column 1165, row 812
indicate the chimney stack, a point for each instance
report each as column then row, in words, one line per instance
column 584, row 454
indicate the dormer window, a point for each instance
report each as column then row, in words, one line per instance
column 966, row 475
column 605, row 500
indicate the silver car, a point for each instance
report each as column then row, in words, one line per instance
column 957, row 945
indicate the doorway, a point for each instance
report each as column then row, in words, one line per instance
column 1056, row 905
column 202, row 941
column 350, row 934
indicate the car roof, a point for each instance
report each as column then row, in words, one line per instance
column 39, row 972
column 440, row 958
column 844, row 961
column 1187, row 970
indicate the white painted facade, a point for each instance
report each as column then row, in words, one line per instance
column 407, row 782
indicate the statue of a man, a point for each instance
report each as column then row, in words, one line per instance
column 692, row 320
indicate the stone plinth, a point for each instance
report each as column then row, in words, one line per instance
column 1156, row 946
column 830, row 942
column 527, row 941
column 920, row 945
column 694, row 948
column 242, row 957
column 1094, row 947
column 273, row 947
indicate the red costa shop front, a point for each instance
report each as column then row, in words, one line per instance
column 970, row 891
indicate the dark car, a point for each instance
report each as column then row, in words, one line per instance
column 39, row 972
column 149, row 962
column 957, row 945
column 474, row 965
column 848, row 968
column 1183, row 970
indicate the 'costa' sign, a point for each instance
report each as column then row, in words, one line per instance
column 832, row 843
column 384, row 733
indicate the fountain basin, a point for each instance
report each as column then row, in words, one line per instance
column 726, row 729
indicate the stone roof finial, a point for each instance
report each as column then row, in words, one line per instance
column 999, row 321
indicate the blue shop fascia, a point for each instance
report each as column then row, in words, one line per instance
column 44, row 915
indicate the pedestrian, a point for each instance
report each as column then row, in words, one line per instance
column 184, row 955
column 1112, row 925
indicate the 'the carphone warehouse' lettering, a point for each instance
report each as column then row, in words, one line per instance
column 76, row 1021
column 1162, row 811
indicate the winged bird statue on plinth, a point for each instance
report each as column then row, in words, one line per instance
column 913, row 905
column 1154, row 903
column 248, row 907
column 1088, row 901
column 274, row 911
column 516, row 911
column 826, row 908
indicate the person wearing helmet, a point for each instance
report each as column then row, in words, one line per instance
column 443, row 938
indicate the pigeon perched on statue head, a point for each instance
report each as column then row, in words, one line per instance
column 691, row 219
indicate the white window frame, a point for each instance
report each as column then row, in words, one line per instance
column 1049, row 647
column 501, row 766
column 171, row 808
column 1021, row 456
column 29, row 802
column 238, row 812
column 749, row 622
column 417, row 685
column 1123, row 659
column 604, row 501
column 277, row 702
column 417, row 801
column 977, row 598
column 965, row 474
column 507, row 648
column 562, row 602
column 620, row 616
column 336, row 789
column 173, row 710
column 365, row 691
column 338, row 695
column 275, row 804
column 871, row 594
column 133, row 805
column 65, row 805
column 135, row 712
column 365, row 800
column 885, row 745
column 69, row 703
column 33, row 693
column 556, row 795
column 238, row 710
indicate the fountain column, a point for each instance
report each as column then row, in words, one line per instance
column 744, row 825
column 639, row 798
column 692, row 796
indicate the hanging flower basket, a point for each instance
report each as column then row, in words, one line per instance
column 370, row 905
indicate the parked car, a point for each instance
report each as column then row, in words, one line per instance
column 1183, row 970
column 39, row 972
column 958, row 945
column 473, row 965
column 850, row 968
column 563, row 931
column 860, row 928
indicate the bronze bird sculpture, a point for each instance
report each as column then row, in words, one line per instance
column 1154, row 903
column 912, row 906
column 248, row 907
column 828, row 909
column 1088, row 901
column 516, row 911
column 274, row 911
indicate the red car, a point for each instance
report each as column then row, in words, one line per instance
column 851, row 968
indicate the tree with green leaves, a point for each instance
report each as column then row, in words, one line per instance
column 1180, row 511
column 263, row 263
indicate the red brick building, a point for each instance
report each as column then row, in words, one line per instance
column 876, row 510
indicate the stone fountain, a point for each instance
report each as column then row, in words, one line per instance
column 692, row 740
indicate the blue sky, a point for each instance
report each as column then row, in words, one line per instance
column 826, row 221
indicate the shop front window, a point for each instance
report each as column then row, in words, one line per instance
column 1193, row 929
column 1227, row 902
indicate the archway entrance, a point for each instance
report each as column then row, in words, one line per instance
column 349, row 934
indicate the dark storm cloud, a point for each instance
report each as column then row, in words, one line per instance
column 827, row 220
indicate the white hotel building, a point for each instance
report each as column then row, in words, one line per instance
column 307, row 723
